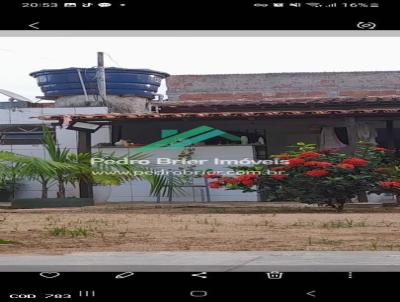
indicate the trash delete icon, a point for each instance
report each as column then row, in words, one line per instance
column 275, row 275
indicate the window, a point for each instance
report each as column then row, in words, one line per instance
column 22, row 134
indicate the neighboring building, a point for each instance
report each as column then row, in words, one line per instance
column 293, row 107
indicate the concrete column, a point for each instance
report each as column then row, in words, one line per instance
column 85, row 146
column 128, row 104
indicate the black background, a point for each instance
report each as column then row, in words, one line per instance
column 201, row 15
column 198, row 15
column 219, row 286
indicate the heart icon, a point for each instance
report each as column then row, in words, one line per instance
column 49, row 275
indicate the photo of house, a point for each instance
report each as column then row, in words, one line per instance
column 268, row 111
column 110, row 147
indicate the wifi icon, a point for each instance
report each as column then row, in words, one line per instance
column 314, row 4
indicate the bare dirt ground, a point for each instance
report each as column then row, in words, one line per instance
column 212, row 227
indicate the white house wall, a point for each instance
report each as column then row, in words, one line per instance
column 130, row 191
column 139, row 190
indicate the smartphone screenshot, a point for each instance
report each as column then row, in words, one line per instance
column 199, row 151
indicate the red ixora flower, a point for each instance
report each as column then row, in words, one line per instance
column 308, row 154
column 249, row 176
column 214, row 185
column 317, row 173
column 279, row 176
column 390, row 184
column 320, row 164
column 247, row 182
column 295, row 162
column 345, row 166
column 355, row 161
column 378, row 149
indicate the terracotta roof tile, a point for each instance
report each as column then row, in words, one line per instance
column 223, row 115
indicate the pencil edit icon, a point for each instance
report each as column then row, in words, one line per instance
column 124, row 275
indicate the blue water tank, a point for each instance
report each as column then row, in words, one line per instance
column 119, row 81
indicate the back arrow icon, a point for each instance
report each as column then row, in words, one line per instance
column 312, row 293
column 33, row 25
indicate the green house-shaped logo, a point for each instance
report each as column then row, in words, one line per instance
column 188, row 138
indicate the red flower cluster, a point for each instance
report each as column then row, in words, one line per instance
column 229, row 180
column 355, row 161
column 296, row 162
column 317, row 173
column 304, row 159
column 305, row 163
column 247, row 183
column 345, row 166
column 320, row 164
column 309, row 154
column 215, row 185
column 390, row 184
column 247, row 180
column 301, row 160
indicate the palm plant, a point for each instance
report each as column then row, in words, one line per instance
column 80, row 168
column 5, row 175
column 66, row 167
column 70, row 161
column 5, row 190
column 8, row 178
column 16, row 166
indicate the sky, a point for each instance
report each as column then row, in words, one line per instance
column 193, row 55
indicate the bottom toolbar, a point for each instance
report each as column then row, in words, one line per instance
column 196, row 286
